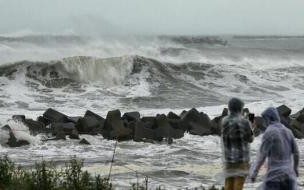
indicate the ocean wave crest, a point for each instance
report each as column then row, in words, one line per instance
column 109, row 71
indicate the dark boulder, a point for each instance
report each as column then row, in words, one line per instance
column 189, row 121
column 151, row 129
column 19, row 118
column 177, row 124
column 142, row 132
column 130, row 125
column 177, row 133
column 150, row 122
column 67, row 128
column 131, row 116
column 297, row 134
column 163, row 127
column 74, row 119
column 216, row 122
column 172, row 115
column 199, row 129
column 285, row 121
column 114, row 127
column 205, row 127
column 197, row 123
column 297, row 129
column 17, row 143
column 259, row 126
column 44, row 120
column 74, row 134
column 90, row 125
column 113, row 115
column 166, row 130
column 299, row 116
column 89, row 113
column 225, row 112
column 178, row 130
column 84, row 141
column 297, row 125
column 35, row 127
column 284, row 110
column 60, row 135
column 6, row 128
column 284, row 113
column 55, row 116
column 189, row 117
column 183, row 113
column 216, row 125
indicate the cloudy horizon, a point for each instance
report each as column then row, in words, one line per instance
column 194, row 17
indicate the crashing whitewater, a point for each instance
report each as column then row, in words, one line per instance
column 152, row 75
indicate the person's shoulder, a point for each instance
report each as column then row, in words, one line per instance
column 270, row 131
column 245, row 122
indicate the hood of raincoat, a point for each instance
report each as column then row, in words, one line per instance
column 271, row 115
column 235, row 105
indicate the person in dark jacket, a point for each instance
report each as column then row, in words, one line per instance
column 236, row 137
column 281, row 150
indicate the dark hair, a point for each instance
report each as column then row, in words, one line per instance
column 235, row 105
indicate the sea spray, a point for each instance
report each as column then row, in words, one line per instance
column 22, row 132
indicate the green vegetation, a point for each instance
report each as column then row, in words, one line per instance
column 47, row 177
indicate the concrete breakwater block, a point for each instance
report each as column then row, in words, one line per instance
column 35, row 126
column 284, row 110
column 131, row 116
column 299, row 116
column 84, row 141
column 54, row 116
column 91, row 123
column 131, row 126
column 197, row 123
column 114, row 127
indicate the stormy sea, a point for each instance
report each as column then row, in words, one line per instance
column 152, row 75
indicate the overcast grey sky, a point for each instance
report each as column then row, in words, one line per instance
column 154, row 16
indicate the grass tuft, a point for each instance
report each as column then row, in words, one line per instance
column 46, row 176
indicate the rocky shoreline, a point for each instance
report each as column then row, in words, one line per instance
column 131, row 126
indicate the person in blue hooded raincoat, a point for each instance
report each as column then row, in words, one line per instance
column 281, row 151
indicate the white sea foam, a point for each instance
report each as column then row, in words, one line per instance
column 107, row 84
column 22, row 132
column 109, row 71
column 4, row 136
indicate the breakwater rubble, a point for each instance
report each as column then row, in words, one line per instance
column 132, row 126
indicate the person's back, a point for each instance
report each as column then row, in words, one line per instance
column 236, row 136
column 280, row 150
column 279, row 147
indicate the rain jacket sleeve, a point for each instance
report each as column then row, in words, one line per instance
column 265, row 146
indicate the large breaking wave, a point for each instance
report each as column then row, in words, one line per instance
column 148, row 72
column 160, row 78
